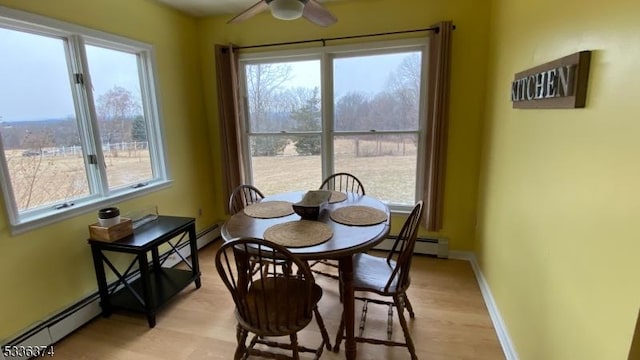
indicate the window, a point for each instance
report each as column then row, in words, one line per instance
column 336, row 109
column 79, row 121
column 284, row 124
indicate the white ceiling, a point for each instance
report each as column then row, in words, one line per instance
column 212, row 7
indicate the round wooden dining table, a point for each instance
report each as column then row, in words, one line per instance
column 345, row 242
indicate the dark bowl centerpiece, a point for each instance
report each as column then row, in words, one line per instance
column 312, row 204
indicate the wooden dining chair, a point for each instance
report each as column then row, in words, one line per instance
column 269, row 303
column 242, row 196
column 387, row 277
column 343, row 182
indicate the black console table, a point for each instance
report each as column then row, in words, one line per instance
column 156, row 284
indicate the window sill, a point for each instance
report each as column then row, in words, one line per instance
column 26, row 223
column 397, row 209
column 401, row 211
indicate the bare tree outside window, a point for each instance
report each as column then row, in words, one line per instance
column 267, row 110
column 117, row 110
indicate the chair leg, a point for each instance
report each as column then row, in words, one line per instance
column 340, row 285
column 405, row 328
column 294, row 346
column 323, row 329
column 287, row 268
column 363, row 317
column 407, row 304
column 390, row 322
column 241, row 349
column 340, row 334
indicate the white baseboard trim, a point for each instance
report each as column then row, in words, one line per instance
column 51, row 330
column 501, row 329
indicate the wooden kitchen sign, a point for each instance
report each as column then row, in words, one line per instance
column 558, row 84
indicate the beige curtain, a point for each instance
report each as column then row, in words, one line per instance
column 229, row 117
column 437, row 124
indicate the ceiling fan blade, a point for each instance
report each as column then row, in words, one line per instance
column 254, row 10
column 317, row 14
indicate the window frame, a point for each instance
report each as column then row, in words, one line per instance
column 75, row 38
column 326, row 55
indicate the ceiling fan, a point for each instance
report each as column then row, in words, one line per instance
column 311, row 10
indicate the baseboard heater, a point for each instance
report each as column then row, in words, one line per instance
column 425, row 246
column 56, row 327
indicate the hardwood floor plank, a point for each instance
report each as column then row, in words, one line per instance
column 452, row 321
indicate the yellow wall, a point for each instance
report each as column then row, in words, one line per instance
column 46, row 270
column 362, row 17
column 559, row 195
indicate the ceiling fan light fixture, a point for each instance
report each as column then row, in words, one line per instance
column 286, row 9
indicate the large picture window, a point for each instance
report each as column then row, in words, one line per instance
column 336, row 109
column 79, row 121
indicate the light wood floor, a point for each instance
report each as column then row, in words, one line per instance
column 451, row 321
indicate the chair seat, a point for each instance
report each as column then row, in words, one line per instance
column 371, row 273
column 276, row 306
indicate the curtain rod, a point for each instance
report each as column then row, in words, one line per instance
column 435, row 28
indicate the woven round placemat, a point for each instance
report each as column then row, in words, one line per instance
column 337, row 196
column 299, row 233
column 358, row 215
column 269, row 209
